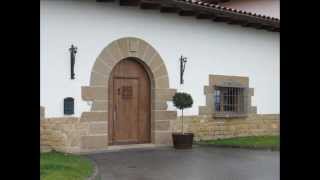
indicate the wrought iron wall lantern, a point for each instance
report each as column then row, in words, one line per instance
column 183, row 61
column 73, row 50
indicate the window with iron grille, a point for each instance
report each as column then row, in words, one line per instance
column 230, row 100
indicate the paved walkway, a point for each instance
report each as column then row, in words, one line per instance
column 200, row 163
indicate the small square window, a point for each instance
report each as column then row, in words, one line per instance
column 229, row 100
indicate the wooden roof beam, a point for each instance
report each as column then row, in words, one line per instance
column 271, row 28
column 257, row 26
column 203, row 16
column 233, row 21
column 238, row 21
column 129, row 2
column 220, row 18
column 167, row 8
column 105, row 0
column 186, row 12
column 246, row 24
column 276, row 30
column 149, row 4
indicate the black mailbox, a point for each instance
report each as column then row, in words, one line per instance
column 68, row 106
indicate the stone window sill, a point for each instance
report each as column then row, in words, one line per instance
column 230, row 115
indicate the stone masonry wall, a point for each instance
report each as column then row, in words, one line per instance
column 206, row 127
column 72, row 135
column 62, row 134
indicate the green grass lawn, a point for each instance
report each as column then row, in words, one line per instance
column 60, row 166
column 268, row 142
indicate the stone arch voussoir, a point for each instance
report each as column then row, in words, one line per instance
column 97, row 91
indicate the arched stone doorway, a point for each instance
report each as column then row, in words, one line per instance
column 98, row 91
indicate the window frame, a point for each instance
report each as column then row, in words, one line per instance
column 232, row 101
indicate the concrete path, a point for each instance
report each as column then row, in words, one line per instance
column 200, row 163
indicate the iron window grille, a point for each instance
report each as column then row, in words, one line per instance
column 230, row 101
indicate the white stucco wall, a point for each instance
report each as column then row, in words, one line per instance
column 211, row 48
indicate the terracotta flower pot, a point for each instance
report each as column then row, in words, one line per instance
column 182, row 141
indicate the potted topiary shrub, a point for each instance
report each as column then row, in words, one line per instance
column 182, row 140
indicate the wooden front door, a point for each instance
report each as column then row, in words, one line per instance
column 129, row 107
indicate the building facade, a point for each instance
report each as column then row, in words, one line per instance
column 126, row 70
